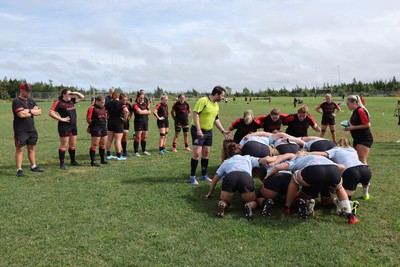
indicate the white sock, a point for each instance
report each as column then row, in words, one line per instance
column 345, row 206
column 365, row 189
column 33, row 166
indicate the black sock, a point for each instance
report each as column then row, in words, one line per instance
column 143, row 145
column 108, row 153
column 123, row 144
column 61, row 155
column 92, row 154
column 204, row 166
column 118, row 155
column 136, row 146
column 101, row 152
column 72, row 154
column 193, row 166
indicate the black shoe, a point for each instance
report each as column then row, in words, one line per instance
column 95, row 164
column 221, row 209
column 302, row 208
column 248, row 211
column 266, row 211
column 62, row 166
column 104, row 162
column 36, row 169
column 20, row 173
column 75, row 163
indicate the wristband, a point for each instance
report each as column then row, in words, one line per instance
column 223, row 131
column 30, row 111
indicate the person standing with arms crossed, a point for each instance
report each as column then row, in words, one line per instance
column 205, row 115
column 25, row 134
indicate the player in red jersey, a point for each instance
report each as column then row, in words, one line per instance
column 180, row 113
column 141, row 109
column 272, row 121
column 298, row 123
column 161, row 113
column 67, row 129
column 244, row 126
column 327, row 109
column 97, row 120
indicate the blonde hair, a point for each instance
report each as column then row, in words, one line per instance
column 163, row 96
column 343, row 142
column 302, row 153
column 356, row 99
column 248, row 116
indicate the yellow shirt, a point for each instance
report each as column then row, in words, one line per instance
column 208, row 112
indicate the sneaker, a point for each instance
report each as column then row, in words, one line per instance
column 287, row 211
column 310, row 203
column 36, row 169
column 104, row 162
column 121, row 158
column 248, row 211
column 193, row 180
column 75, row 163
column 111, row 157
column 302, row 208
column 164, row 150
column 188, row 148
column 62, row 166
column 365, row 196
column 94, row 164
column 221, row 209
column 146, row 153
column 174, row 149
column 354, row 206
column 205, row 178
column 126, row 154
column 137, row 154
column 352, row 220
column 161, row 152
column 266, row 210
column 20, row 173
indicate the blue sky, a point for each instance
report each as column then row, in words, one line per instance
column 180, row 45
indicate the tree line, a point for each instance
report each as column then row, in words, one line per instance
column 9, row 88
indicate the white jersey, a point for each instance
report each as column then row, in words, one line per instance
column 299, row 163
column 238, row 163
column 346, row 156
column 260, row 139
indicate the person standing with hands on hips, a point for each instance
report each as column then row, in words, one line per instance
column 205, row 116
column 25, row 134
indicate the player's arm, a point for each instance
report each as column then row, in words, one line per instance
column 213, row 185
column 218, row 124
column 78, row 96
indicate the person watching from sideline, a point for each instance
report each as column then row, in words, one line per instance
column 25, row 109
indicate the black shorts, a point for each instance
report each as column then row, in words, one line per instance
column 65, row 130
column 141, row 126
column 278, row 182
column 179, row 125
column 206, row 140
column 314, row 191
column 288, row 148
column 322, row 145
column 319, row 175
column 354, row 175
column 238, row 181
column 162, row 124
column 328, row 120
column 255, row 149
column 366, row 143
column 98, row 131
column 116, row 126
column 25, row 138
column 126, row 126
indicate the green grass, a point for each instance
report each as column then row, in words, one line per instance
column 143, row 212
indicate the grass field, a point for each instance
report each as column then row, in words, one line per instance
column 144, row 212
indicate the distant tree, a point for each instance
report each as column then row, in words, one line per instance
column 246, row 91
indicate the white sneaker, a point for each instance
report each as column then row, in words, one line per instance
column 137, row 154
column 398, row 141
column 111, row 157
column 146, row 153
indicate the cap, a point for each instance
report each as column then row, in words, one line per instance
column 25, row 86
